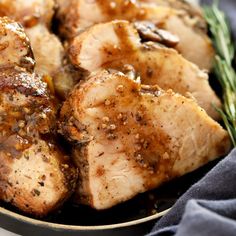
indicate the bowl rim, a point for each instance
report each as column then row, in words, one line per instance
column 41, row 223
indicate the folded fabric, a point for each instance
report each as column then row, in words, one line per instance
column 214, row 210
column 205, row 218
column 209, row 207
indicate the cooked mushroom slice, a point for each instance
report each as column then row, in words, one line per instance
column 149, row 32
column 130, row 138
column 35, row 175
column 14, row 45
column 30, row 12
column 76, row 16
column 115, row 44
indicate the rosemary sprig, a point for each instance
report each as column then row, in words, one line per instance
column 225, row 49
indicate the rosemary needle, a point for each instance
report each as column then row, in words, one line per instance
column 223, row 68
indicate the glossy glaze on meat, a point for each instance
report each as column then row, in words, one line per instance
column 129, row 138
column 50, row 56
column 14, row 45
column 116, row 44
column 28, row 12
column 77, row 15
column 125, row 137
column 35, row 175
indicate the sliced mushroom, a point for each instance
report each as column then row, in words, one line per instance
column 115, row 44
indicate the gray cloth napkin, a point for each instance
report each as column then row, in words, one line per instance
column 208, row 208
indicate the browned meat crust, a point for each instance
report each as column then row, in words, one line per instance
column 129, row 138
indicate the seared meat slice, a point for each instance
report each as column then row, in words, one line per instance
column 47, row 49
column 28, row 12
column 194, row 43
column 194, row 11
column 14, row 45
column 51, row 59
column 115, row 44
column 129, row 138
column 35, row 175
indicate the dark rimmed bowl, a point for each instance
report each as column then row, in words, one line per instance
column 133, row 218
column 27, row 226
